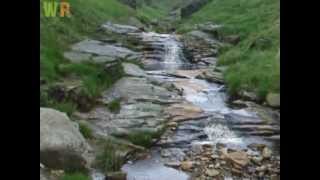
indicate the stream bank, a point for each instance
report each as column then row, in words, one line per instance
column 204, row 136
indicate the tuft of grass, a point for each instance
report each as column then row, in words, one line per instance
column 254, row 64
column 114, row 106
column 143, row 138
column 75, row 176
column 109, row 160
column 85, row 131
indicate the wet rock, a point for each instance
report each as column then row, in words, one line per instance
column 133, row 70
column 266, row 153
column 273, row 100
column 238, row 158
column 173, row 154
column 173, row 164
column 196, row 148
column 184, row 111
column 116, row 176
column 212, row 172
column 211, row 76
column 187, row 165
column 62, row 146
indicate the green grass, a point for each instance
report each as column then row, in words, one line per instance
column 57, row 34
column 254, row 64
column 75, row 176
column 143, row 138
column 109, row 160
column 85, row 131
column 114, row 106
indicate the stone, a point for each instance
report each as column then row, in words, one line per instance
column 77, row 57
column 212, row 172
column 196, row 148
column 133, row 70
column 232, row 39
column 172, row 124
column 238, row 157
column 261, row 168
column 116, row 176
column 62, row 146
column 257, row 160
column 184, row 111
column 186, row 165
column 173, row 164
column 266, row 153
column 119, row 28
column 273, row 100
column 249, row 96
column 101, row 52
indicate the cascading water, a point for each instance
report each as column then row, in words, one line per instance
column 208, row 96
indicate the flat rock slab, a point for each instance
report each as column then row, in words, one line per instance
column 184, row 111
column 131, row 89
column 98, row 52
column 188, row 73
column 133, row 70
column 119, row 28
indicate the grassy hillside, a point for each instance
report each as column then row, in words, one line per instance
column 56, row 36
column 254, row 63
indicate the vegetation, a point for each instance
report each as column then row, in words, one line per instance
column 57, row 34
column 109, row 160
column 143, row 138
column 85, row 131
column 114, row 106
column 75, row 176
column 254, row 64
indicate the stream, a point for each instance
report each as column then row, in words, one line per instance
column 234, row 127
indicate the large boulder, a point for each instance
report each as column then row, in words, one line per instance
column 62, row 146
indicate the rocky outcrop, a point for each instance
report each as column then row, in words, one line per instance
column 98, row 52
column 62, row 146
column 193, row 7
column 119, row 28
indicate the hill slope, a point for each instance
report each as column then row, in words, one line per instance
column 254, row 63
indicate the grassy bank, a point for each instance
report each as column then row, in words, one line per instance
column 254, row 63
column 56, row 36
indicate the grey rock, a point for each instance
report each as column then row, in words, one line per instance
column 62, row 146
column 133, row 70
column 120, row 29
column 98, row 48
column 77, row 57
column 273, row 100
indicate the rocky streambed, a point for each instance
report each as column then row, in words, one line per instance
column 172, row 85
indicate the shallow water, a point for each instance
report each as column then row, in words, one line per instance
column 210, row 97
